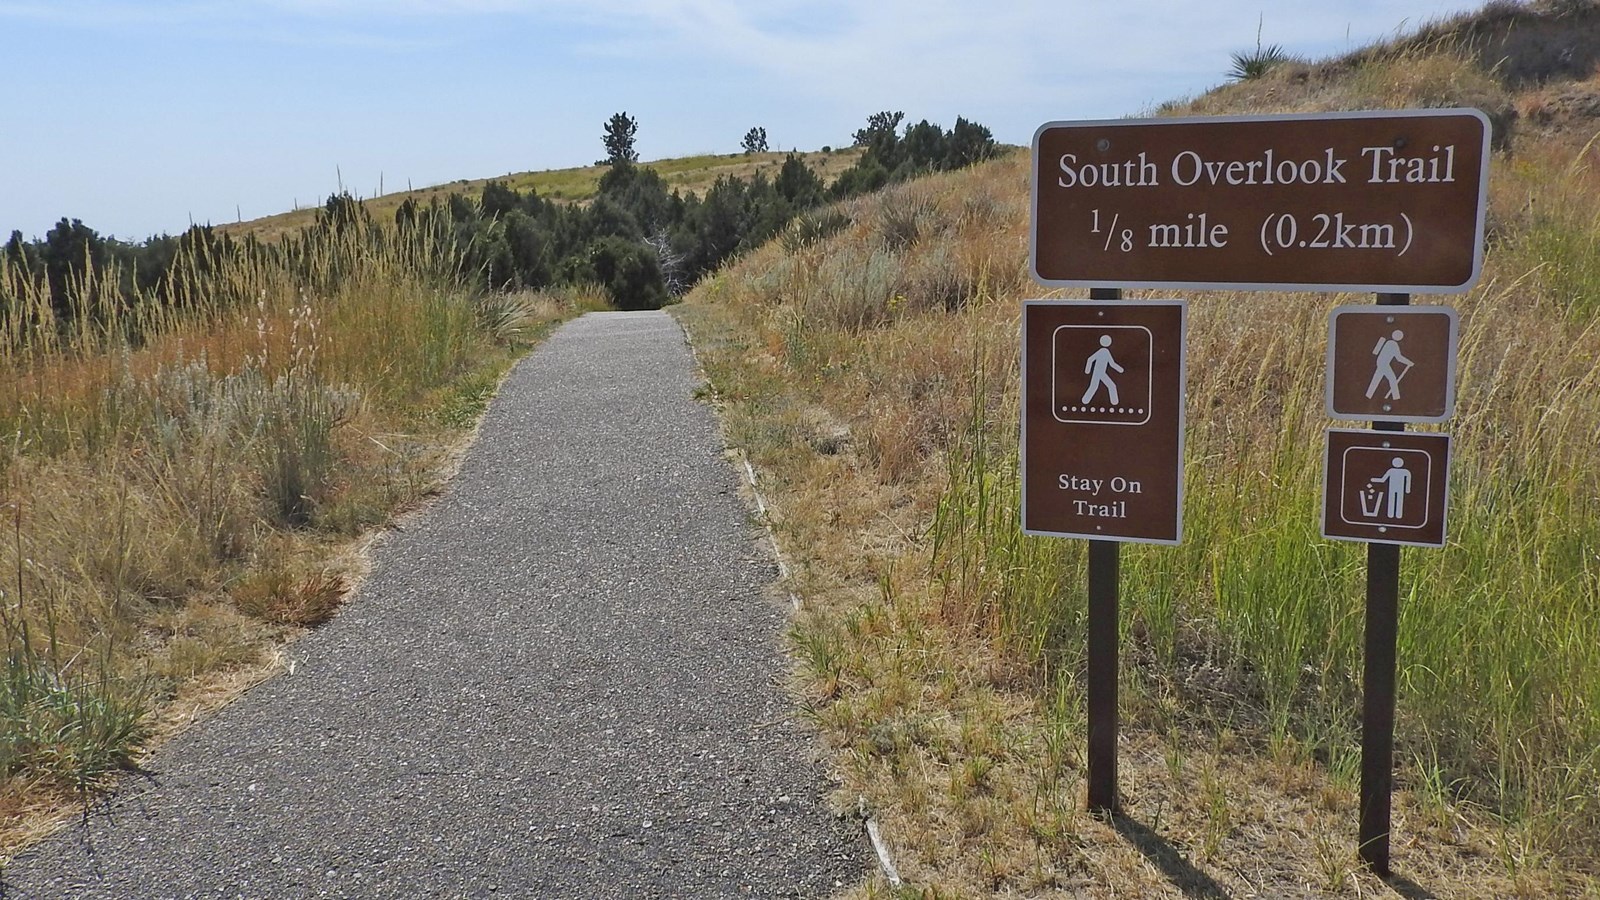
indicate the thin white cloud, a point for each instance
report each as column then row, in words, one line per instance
column 953, row 49
column 416, row 8
column 930, row 57
column 922, row 55
column 917, row 53
column 902, row 38
column 116, row 12
column 243, row 20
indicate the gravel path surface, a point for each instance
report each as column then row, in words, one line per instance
column 559, row 681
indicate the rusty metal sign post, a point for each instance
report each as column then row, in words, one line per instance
column 1387, row 202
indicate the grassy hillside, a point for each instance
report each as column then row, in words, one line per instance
column 871, row 376
column 690, row 174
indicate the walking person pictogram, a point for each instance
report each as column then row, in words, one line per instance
column 1387, row 350
column 1398, row 482
column 1095, row 367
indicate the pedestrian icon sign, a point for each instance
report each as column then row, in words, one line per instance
column 1386, row 486
column 1392, row 363
column 1102, row 419
column 1101, row 374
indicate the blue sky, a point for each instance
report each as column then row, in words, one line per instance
column 140, row 116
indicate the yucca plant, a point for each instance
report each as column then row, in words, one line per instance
column 1248, row 66
column 1253, row 65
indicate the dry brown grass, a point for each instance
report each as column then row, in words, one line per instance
column 1406, row 78
column 871, row 377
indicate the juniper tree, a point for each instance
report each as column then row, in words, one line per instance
column 620, row 132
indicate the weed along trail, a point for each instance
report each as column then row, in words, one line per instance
column 561, row 680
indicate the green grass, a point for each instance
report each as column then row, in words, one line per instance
column 1248, row 635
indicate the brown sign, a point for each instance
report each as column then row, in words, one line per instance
column 1102, row 430
column 1385, row 486
column 1370, row 201
column 1395, row 363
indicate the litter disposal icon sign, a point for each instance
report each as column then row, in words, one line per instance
column 1380, row 500
column 1386, row 486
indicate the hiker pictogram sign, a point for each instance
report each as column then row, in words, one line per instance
column 1102, row 436
column 1392, row 363
column 1386, row 486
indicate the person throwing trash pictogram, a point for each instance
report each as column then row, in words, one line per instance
column 1398, row 482
column 1095, row 367
column 1387, row 350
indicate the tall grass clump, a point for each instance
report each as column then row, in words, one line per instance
column 71, row 727
column 993, row 579
column 1252, row 64
column 71, row 719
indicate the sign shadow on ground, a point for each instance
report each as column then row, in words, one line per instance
column 1165, row 857
column 1407, row 888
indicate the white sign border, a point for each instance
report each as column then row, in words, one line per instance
column 1296, row 287
column 1183, row 402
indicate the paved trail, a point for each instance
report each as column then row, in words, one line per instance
column 558, row 682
